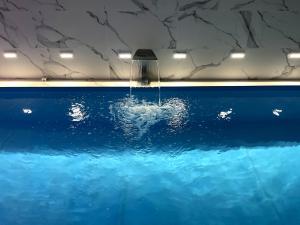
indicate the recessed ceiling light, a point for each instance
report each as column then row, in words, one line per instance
column 66, row 55
column 238, row 55
column 10, row 55
column 294, row 55
column 125, row 55
column 179, row 55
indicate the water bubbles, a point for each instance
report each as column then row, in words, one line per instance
column 135, row 117
column 225, row 115
column 78, row 112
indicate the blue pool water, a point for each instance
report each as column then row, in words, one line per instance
column 209, row 156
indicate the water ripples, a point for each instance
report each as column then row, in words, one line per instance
column 135, row 117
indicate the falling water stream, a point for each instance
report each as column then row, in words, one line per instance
column 130, row 79
column 136, row 75
column 158, row 79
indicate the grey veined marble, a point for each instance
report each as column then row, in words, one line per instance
column 208, row 30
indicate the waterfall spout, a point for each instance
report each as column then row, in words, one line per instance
column 144, row 67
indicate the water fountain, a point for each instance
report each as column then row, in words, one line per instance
column 136, row 115
column 144, row 69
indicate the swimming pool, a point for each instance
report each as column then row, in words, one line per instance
column 209, row 156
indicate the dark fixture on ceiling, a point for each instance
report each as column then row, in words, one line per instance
column 145, row 58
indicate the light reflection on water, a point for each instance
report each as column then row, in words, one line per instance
column 152, row 188
column 135, row 116
column 277, row 112
column 27, row 111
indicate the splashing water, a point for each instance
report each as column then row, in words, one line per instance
column 135, row 117
column 77, row 112
column 225, row 114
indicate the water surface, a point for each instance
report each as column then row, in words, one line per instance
column 209, row 156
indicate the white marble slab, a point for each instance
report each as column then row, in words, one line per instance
column 97, row 30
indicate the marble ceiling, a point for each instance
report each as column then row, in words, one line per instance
column 95, row 30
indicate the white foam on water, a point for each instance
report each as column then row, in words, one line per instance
column 78, row 112
column 135, row 117
column 225, row 114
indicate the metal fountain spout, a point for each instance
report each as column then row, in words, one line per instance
column 147, row 66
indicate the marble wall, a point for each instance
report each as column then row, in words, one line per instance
column 208, row 30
